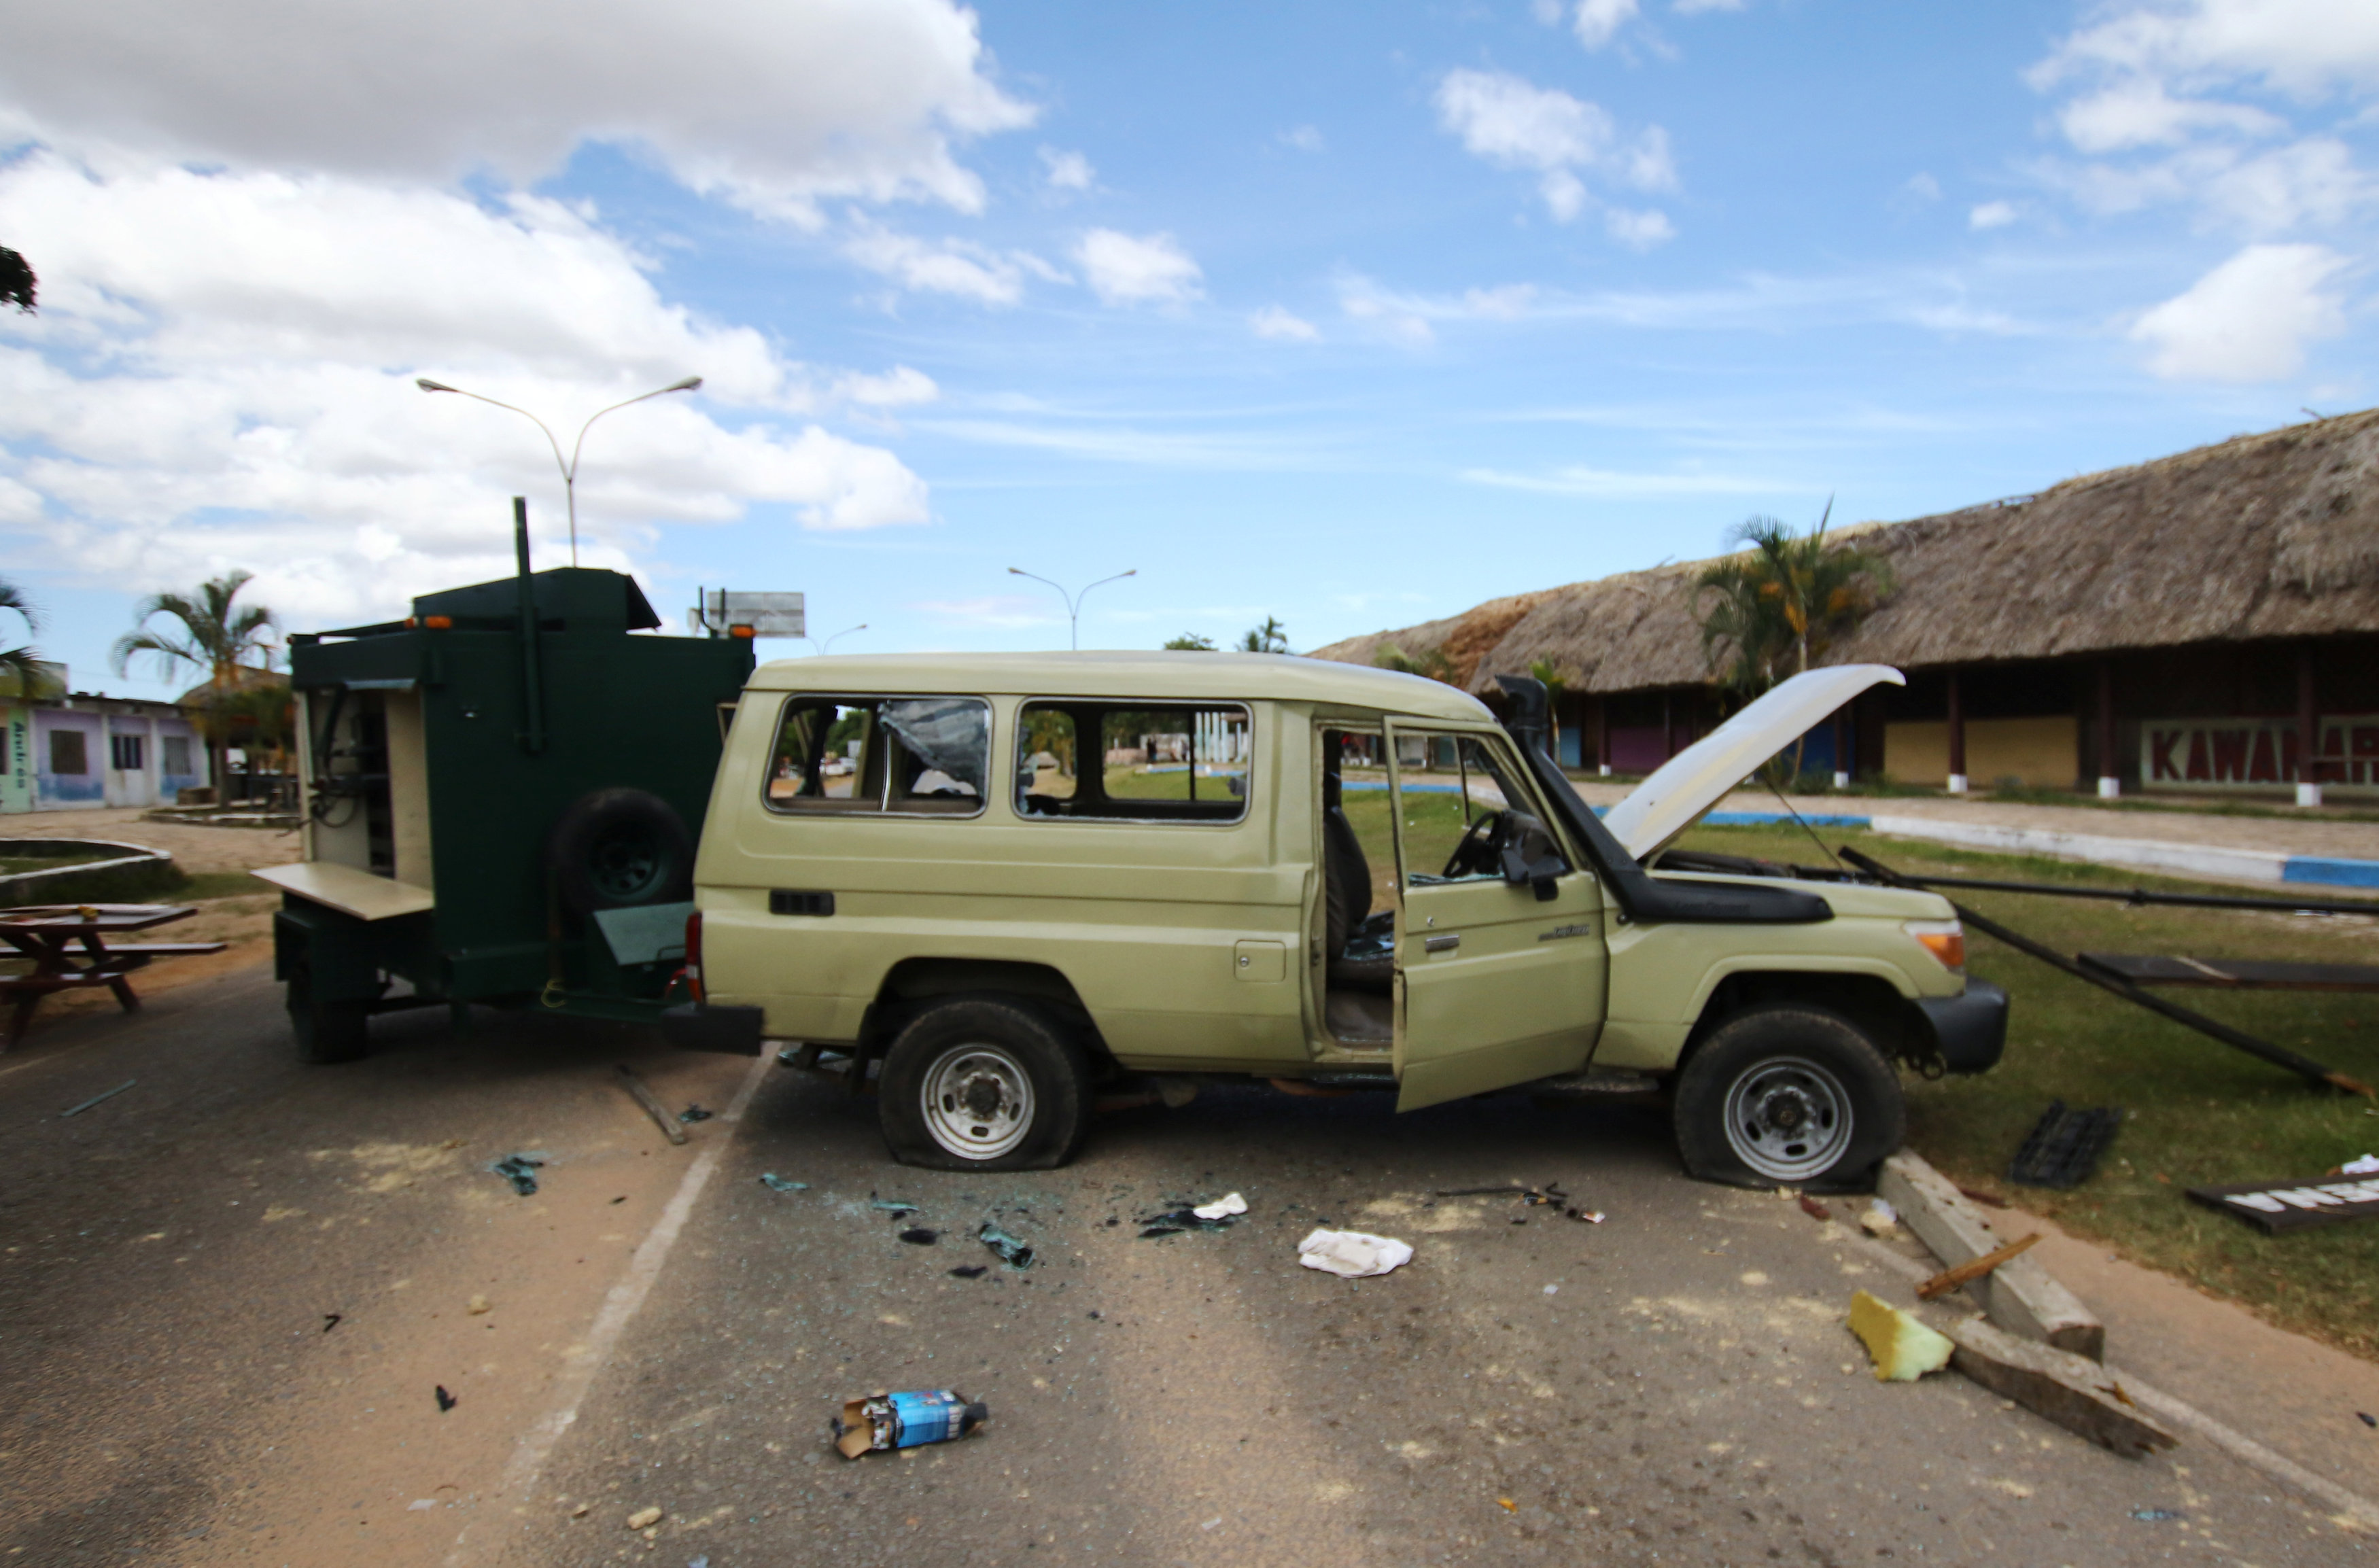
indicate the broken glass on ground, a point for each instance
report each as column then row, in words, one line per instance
column 918, row 1235
column 520, row 1171
column 776, row 1183
column 1010, row 1250
column 694, row 1112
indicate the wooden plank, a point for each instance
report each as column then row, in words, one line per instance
column 1949, row 1279
column 2242, row 975
column 2073, row 1390
column 2018, row 1296
column 349, row 891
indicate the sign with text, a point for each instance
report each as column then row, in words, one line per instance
column 2279, row 1206
column 2250, row 753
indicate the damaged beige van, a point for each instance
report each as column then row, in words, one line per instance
column 990, row 887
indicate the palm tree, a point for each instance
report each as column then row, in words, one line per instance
column 22, row 671
column 1549, row 675
column 1429, row 663
column 215, row 636
column 1271, row 637
column 1768, row 612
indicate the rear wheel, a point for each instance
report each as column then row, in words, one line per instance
column 327, row 1032
column 1788, row 1095
column 984, row 1083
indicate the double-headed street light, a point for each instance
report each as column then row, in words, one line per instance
column 569, row 469
column 828, row 646
column 1073, row 601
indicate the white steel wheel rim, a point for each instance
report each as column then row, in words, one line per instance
column 1788, row 1118
column 978, row 1101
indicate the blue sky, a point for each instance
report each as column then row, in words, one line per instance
column 1350, row 315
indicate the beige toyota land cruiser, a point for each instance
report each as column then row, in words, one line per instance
column 989, row 885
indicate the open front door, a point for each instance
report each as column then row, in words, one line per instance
column 1499, row 984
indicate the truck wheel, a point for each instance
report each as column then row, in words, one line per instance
column 327, row 1032
column 1788, row 1095
column 618, row 847
column 984, row 1083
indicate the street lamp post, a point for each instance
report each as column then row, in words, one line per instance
column 569, row 469
column 1073, row 601
column 828, row 646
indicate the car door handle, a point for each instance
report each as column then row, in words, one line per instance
column 1445, row 944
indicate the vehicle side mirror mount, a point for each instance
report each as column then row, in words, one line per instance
column 1530, row 860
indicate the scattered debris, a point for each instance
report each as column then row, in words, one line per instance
column 1814, row 1210
column 2020, row 1297
column 621, row 1198
column 2367, row 1419
column 106, row 1094
column 1552, row 1290
column 2367, row 1165
column 2284, row 1206
column 1230, row 1203
column 582, row 1511
column 894, row 1206
column 1879, row 1220
column 1902, row 1349
column 2154, row 1515
column 2069, row 1389
column 333, row 1320
column 905, row 1420
column 971, row 1271
column 478, row 1305
column 918, row 1235
column 1950, row 1279
column 1173, row 1222
column 1988, row 1201
column 520, row 1171
column 644, row 1518
column 445, row 1401
column 1548, row 1196
column 1351, row 1254
column 694, row 1112
column 653, row 1107
column 1506, row 1504
column 1009, row 1249
column 421, row 1505
column 2063, row 1147
column 775, row 1183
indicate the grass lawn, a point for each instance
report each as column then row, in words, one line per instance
column 2198, row 1114
column 12, row 865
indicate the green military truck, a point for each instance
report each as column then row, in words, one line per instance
column 500, row 792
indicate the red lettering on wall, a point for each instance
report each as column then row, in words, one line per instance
column 2161, row 745
column 2229, row 755
column 2199, row 769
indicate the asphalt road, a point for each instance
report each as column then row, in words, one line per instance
column 661, row 1330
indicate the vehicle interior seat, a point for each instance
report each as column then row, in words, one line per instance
column 1361, row 945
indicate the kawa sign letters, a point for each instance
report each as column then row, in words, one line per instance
column 2244, row 752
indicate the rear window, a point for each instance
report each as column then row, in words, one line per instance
column 912, row 757
column 1121, row 762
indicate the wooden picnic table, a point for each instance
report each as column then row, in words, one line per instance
column 70, row 948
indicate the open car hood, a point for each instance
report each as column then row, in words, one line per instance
column 1696, row 778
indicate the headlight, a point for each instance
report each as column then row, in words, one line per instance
column 1945, row 939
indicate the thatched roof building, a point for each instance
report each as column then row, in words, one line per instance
column 2235, row 581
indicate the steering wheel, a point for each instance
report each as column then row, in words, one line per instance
column 1476, row 855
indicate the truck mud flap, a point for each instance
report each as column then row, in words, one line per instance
column 696, row 1026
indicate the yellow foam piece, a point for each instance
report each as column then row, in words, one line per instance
column 1902, row 1349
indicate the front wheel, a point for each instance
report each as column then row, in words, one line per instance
column 1788, row 1095
column 984, row 1084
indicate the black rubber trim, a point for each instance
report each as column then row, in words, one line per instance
column 1642, row 896
column 698, row 1026
column 1970, row 1030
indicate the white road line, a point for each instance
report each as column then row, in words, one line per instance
column 619, row 1309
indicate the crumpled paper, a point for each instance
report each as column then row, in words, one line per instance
column 1221, row 1208
column 1352, row 1254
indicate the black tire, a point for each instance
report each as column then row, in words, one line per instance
column 1787, row 1096
column 328, row 1032
column 616, row 849
column 1026, row 1075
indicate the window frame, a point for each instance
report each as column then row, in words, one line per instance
column 828, row 806
column 1521, row 793
column 1107, row 704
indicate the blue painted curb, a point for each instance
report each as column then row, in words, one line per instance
column 2329, row 871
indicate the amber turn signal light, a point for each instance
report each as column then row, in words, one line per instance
column 743, row 632
column 1945, row 939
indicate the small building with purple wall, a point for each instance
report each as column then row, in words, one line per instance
column 83, row 751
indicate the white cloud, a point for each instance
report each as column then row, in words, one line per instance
column 1305, row 139
column 771, row 104
column 1694, row 7
column 2135, row 113
column 1509, row 122
column 1274, row 322
column 1138, row 269
column 1992, row 215
column 1068, row 171
column 2300, row 46
column 948, row 266
column 222, row 375
column 1921, row 187
column 1603, row 483
column 1638, row 230
column 1598, row 20
column 2250, row 320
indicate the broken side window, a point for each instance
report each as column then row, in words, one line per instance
column 1457, row 802
column 1133, row 762
column 915, row 756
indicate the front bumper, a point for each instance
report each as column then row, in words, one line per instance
column 1969, row 1031
column 698, row 1026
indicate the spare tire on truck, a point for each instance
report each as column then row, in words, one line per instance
column 616, row 849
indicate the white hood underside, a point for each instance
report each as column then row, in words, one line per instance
column 1696, row 778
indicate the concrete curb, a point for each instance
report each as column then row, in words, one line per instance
column 137, row 862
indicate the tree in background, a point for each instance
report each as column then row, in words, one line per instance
column 215, row 635
column 1189, row 641
column 17, row 281
column 22, row 671
column 1270, row 638
column 1552, row 679
column 1771, row 609
column 1429, row 664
